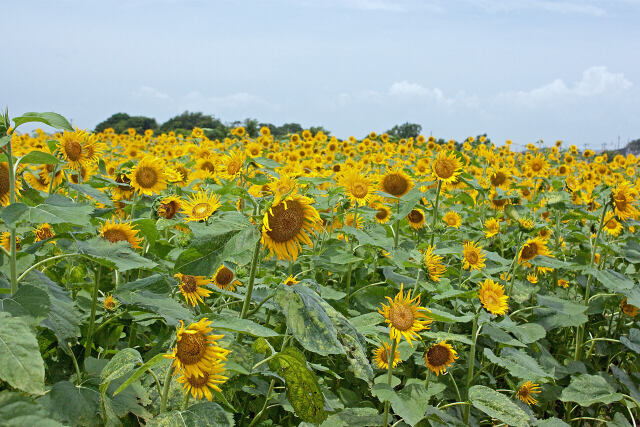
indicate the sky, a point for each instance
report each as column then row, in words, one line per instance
column 524, row 70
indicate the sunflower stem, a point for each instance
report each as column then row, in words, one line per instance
column 390, row 358
column 396, row 235
column 12, row 199
column 92, row 317
column 435, row 213
column 252, row 278
column 355, row 225
column 75, row 364
column 53, row 177
column 471, row 361
column 165, row 390
column 44, row 261
column 185, row 400
column 133, row 204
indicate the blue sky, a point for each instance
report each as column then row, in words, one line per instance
column 518, row 69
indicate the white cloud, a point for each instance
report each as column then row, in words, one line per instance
column 195, row 100
column 564, row 7
column 146, row 92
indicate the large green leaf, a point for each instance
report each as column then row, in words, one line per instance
column 518, row 363
column 92, row 192
column 73, row 405
column 411, row 402
column 613, row 280
column 171, row 310
column 353, row 417
column 120, row 364
column 302, row 387
column 29, row 301
column 206, row 252
column 155, row 360
column 239, row 248
column 39, row 158
column 58, row 209
column 307, row 319
column 227, row 322
column 586, row 390
column 633, row 340
column 205, row 414
column 114, row 255
column 54, row 120
column 18, row 410
column 497, row 405
column 557, row 312
column 21, row 364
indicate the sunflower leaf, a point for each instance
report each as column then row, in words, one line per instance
column 17, row 410
column 54, row 120
column 587, row 389
column 497, row 405
column 200, row 414
column 120, row 364
column 114, row 255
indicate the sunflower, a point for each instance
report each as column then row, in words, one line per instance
column 286, row 226
column 122, row 231
column 196, row 350
column 43, row 232
column 223, row 278
column 291, row 280
column 381, row 356
column 383, row 214
column 532, row 278
column 434, row 264
column 493, row 298
column 192, row 289
column 4, row 184
column 206, row 167
column 563, row 283
column 201, row 206
column 439, row 357
column 492, row 226
column 624, row 196
column 39, row 180
column 628, row 309
column 537, row 165
column 526, row 391
column 282, row 187
column 611, row 225
column 148, row 177
column 72, row 147
column 5, row 241
column 533, row 248
column 499, row 177
column 405, row 317
column 452, row 219
column 358, row 186
column 199, row 385
column 446, row 167
column 396, row 182
column 169, row 206
column 416, row 219
column 109, row 303
column 232, row 164
column 473, row 256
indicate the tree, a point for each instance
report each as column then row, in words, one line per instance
column 187, row 121
column 120, row 122
column 405, row 130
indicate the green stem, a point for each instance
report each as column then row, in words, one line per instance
column 355, row 224
column 12, row 199
column 264, row 406
column 133, row 204
column 471, row 361
column 435, row 213
column 390, row 358
column 396, row 235
column 92, row 317
column 75, row 364
column 165, row 390
column 44, row 261
column 185, row 400
column 53, row 177
column 252, row 278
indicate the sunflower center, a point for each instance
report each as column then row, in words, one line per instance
column 499, row 202
column 4, row 179
column 191, row 348
column 384, row 355
column 115, row 235
column 224, row 276
column 360, row 190
column 471, row 257
column 401, row 317
column 197, row 381
column 529, row 251
column 498, row 179
column 415, row 216
column 189, row 283
column 208, row 166
column 444, row 168
column 395, row 184
column 285, row 224
column 146, row 176
column 438, row 355
column 233, row 167
column 73, row 149
column 621, row 202
column 381, row 214
column 168, row 210
column 200, row 209
column 536, row 166
column 336, row 168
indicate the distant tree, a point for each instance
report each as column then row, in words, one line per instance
column 251, row 126
column 405, row 130
column 120, row 122
column 315, row 129
column 288, row 128
column 187, row 121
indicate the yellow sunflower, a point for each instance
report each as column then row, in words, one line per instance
column 232, row 164
column 416, row 219
column 196, row 350
column 381, row 356
column 5, row 241
column 72, row 147
column 148, row 176
column 43, row 232
column 358, row 186
column 405, row 317
column 383, row 214
column 4, row 184
column 396, row 182
column 291, row 280
column 473, row 256
column 526, row 392
column 624, row 195
column 563, row 283
column 169, row 206
column 452, row 219
column 439, row 357
column 120, row 231
column 628, row 309
column 492, row 226
column 223, row 278
column 192, row 288
column 493, row 298
column 282, row 187
column 434, row 264
column 200, row 385
column 109, row 303
column 533, row 248
column 446, row 167
column 201, row 206
column 532, row 278
column 287, row 225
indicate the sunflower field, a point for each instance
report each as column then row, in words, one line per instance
column 175, row 280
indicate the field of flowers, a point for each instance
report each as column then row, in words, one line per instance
column 174, row 280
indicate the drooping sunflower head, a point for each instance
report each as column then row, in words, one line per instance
column 120, row 231
column 439, row 357
column 383, row 214
column 5, row 241
column 624, row 196
column 526, row 392
column 493, row 298
column 282, row 187
column 446, row 167
column 43, row 232
column 200, row 385
column 532, row 248
column 499, row 177
column 473, row 256
column 381, row 356
column 563, row 283
column 201, row 206
column 452, row 219
column 224, row 278
column 628, row 309
column 192, row 288
column 405, row 317
column 532, row 278
column 287, row 225
column 169, row 206
column 434, row 264
column 396, row 182
column 232, row 164
column 492, row 226
column 416, row 219
column 148, row 176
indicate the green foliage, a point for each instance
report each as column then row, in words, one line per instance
column 21, row 364
column 121, row 122
column 497, row 405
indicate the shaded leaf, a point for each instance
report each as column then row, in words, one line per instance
column 114, row 255
column 497, row 405
column 586, row 390
column 21, row 364
column 18, row 410
column 120, row 364
column 73, row 405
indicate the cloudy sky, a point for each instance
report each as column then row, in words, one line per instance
column 518, row 69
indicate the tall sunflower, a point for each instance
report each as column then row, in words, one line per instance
column 493, row 298
column 201, row 206
column 532, row 248
column 192, row 288
column 434, row 264
column 232, row 164
column 492, row 226
column 383, row 214
column 381, row 356
column 358, row 186
column 120, row 231
column 43, row 232
column 446, row 167
column 148, row 177
column 287, row 225
column 416, row 219
column 396, row 182
column 73, row 148
column 439, row 357
column 224, row 279
column 452, row 219
column 473, row 256
column 526, row 392
column 5, row 241
column 405, row 317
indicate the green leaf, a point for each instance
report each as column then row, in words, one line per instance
column 73, row 405
column 497, row 405
column 518, row 363
column 239, row 248
column 354, row 417
column 114, row 255
column 448, row 336
column 307, row 319
column 29, row 301
column 203, row 414
column 120, row 364
column 39, row 158
column 92, row 192
column 268, row 163
column 54, row 120
column 204, row 255
column 171, row 310
column 613, row 280
column 18, row 410
column 551, row 422
column 557, row 312
column 633, row 341
column 58, row 209
column 21, row 364
column 586, row 390
column 302, row 387
column 443, row 316
column 411, row 402
column 155, row 360
column 4, row 140
column 545, row 261
column 13, row 213
column 244, row 326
